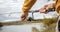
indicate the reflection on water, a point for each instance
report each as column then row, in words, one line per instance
column 22, row 28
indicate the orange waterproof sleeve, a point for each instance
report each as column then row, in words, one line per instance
column 57, row 6
column 27, row 5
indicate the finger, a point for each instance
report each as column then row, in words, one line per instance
column 23, row 18
column 42, row 11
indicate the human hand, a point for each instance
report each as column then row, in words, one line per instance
column 46, row 8
column 24, row 16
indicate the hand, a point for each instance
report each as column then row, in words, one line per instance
column 46, row 8
column 24, row 16
column 43, row 9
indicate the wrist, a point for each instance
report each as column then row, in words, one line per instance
column 25, row 13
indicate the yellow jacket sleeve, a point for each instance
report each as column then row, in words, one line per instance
column 57, row 6
column 27, row 5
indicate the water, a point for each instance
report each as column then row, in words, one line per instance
column 22, row 28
